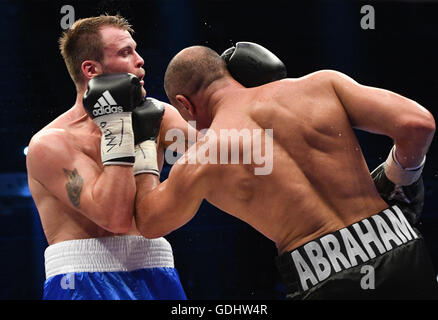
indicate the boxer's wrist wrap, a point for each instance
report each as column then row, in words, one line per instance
column 402, row 176
column 117, row 143
column 146, row 158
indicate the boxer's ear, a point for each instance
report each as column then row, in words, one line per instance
column 185, row 105
column 91, row 68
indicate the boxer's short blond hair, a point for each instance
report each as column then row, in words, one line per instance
column 83, row 42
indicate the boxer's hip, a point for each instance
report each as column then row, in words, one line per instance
column 382, row 256
column 121, row 267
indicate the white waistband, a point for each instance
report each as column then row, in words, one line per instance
column 119, row 253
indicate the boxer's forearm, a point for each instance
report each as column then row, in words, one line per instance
column 162, row 208
column 414, row 139
column 112, row 197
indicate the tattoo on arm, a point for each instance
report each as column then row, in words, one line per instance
column 74, row 186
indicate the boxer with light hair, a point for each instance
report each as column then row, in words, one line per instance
column 81, row 170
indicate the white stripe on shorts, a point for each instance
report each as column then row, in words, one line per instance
column 108, row 254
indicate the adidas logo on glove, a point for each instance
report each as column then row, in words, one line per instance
column 106, row 105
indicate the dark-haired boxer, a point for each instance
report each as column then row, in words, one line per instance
column 336, row 236
column 81, row 174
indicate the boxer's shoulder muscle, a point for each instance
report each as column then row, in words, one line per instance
column 317, row 85
column 66, row 138
column 308, row 103
column 48, row 140
column 56, row 147
column 322, row 76
column 47, row 149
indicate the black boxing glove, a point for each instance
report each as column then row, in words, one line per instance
column 146, row 122
column 253, row 65
column 401, row 187
column 109, row 101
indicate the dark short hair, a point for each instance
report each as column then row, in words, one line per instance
column 187, row 74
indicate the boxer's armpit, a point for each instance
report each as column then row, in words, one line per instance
column 74, row 186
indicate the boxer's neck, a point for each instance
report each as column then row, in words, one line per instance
column 217, row 92
column 78, row 108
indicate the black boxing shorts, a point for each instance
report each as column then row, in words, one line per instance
column 380, row 257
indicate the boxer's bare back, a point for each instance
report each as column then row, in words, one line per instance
column 320, row 181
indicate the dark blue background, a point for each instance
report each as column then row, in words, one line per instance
column 218, row 257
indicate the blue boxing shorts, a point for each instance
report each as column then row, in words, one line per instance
column 380, row 257
column 112, row 268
